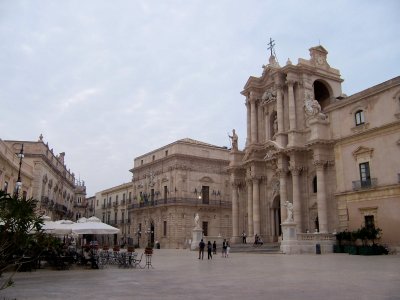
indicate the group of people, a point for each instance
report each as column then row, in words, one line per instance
column 212, row 249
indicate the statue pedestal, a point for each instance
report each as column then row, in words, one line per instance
column 289, row 244
column 197, row 235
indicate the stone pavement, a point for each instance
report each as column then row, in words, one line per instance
column 179, row 274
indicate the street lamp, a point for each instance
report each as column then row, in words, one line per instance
column 18, row 184
column 139, row 234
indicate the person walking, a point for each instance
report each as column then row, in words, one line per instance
column 209, row 250
column 215, row 247
column 202, row 245
column 228, row 248
column 224, row 248
column 244, row 236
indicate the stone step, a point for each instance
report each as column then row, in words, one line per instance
column 273, row 248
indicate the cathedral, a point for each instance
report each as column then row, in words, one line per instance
column 332, row 159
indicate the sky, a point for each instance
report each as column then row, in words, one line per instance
column 107, row 81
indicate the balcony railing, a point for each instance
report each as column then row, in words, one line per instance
column 364, row 184
column 180, row 201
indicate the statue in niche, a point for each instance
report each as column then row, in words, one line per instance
column 234, row 139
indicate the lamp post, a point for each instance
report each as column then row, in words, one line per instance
column 18, row 184
column 139, row 234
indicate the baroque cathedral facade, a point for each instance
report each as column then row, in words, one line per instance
column 333, row 158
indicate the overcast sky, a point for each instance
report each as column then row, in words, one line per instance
column 107, row 81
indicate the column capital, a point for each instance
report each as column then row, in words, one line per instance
column 320, row 164
column 290, row 82
column 281, row 173
column 296, row 170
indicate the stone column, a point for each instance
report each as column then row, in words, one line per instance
column 283, row 193
column 250, row 208
column 235, row 210
column 321, row 196
column 296, row 197
column 279, row 107
column 260, row 120
column 256, row 206
column 253, row 124
column 292, row 106
column 266, row 126
column 248, row 139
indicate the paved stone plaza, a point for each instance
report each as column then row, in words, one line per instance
column 179, row 274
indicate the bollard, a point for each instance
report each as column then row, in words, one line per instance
column 318, row 249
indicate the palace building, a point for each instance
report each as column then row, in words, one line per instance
column 44, row 177
column 174, row 183
column 333, row 158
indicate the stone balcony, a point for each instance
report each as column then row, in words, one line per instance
column 180, row 201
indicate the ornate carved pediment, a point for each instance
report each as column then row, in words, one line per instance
column 363, row 151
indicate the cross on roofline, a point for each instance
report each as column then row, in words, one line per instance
column 271, row 45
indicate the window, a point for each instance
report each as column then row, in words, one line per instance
column 165, row 228
column 5, row 186
column 365, row 177
column 359, row 115
column 154, row 157
column 165, row 193
column 205, row 228
column 141, row 162
column 205, row 194
column 369, row 222
column 24, row 195
column 130, row 196
column 152, row 195
column 166, row 152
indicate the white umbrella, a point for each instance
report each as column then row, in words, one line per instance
column 60, row 227
column 93, row 225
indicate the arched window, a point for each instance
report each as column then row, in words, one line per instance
column 359, row 116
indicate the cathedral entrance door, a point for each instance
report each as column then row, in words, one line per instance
column 276, row 219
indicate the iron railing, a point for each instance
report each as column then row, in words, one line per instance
column 365, row 184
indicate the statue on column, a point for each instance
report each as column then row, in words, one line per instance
column 234, row 139
column 289, row 210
